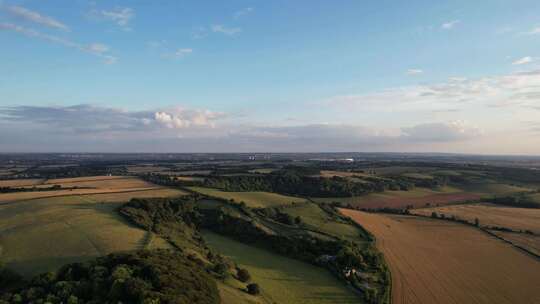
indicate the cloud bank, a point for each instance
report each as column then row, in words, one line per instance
column 188, row 130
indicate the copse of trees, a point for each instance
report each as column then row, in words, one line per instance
column 294, row 182
column 518, row 200
column 143, row 277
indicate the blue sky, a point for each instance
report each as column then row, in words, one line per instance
column 197, row 76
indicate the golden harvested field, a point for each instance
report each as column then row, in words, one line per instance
column 90, row 185
column 435, row 261
column 491, row 215
column 42, row 234
column 527, row 241
column 20, row 182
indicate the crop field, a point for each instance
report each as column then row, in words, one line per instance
column 527, row 241
column 283, row 280
column 432, row 260
column 105, row 182
column 491, row 215
column 42, row 234
column 89, row 185
column 252, row 199
column 20, row 182
column 494, row 188
column 418, row 197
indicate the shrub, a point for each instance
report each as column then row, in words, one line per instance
column 243, row 275
column 253, row 289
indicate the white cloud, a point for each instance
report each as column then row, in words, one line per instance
column 414, row 71
column 122, row 16
column 36, row 17
column 98, row 48
column 180, row 118
column 523, row 60
column 181, row 53
column 230, row 31
column 450, row 24
column 95, row 49
column 243, row 12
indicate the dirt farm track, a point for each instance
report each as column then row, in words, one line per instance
column 435, row 261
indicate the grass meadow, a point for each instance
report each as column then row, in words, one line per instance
column 283, row 280
column 252, row 199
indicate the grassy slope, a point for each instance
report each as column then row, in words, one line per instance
column 43, row 234
column 252, row 199
column 315, row 218
column 282, row 279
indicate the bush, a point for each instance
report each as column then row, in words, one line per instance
column 243, row 275
column 253, row 289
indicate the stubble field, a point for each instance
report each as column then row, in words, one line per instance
column 431, row 260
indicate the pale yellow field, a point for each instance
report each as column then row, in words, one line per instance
column 91, row 185
column 20, row 182
column 102, row 182
column 435, row 261
column 42, row 234
column 491, row 215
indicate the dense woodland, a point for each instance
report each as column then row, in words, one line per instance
column 160, row 276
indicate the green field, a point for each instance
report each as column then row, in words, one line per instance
column 317, row 219
column 535, row 197
column 282, row 279
column 252, row 199
column 43, row 234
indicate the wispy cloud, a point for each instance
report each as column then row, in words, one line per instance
column 182, row 52
column 413, row 72
column 96, row 49
column 515, row 91
column 199, row 32
column 534, row 31
column 230, row 31
column 523, row 60
column 450, row 24
column 243, row 12
column 32, row 16
column 122, row 16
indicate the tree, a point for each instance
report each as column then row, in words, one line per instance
column 298, row 220
column 243, row 275
column 253, row 289
column 476, row 222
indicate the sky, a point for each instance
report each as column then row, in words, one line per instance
column 270, row 76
